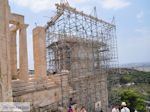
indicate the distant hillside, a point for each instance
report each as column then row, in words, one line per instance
column 138, row 66
column 138, row 81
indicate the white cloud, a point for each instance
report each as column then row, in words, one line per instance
column 139, row 16
column 114, row 4
column 35, row 5
column 85, row 5
column 82, row 5
column 142, row 31
column 42, row 5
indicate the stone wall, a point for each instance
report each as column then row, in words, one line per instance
column 40, row 93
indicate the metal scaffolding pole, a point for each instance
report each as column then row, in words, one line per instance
column 86, row 47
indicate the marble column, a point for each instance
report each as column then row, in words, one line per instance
column 40, row 66
column 5, row 68
column 13, row 51
column 23, row 54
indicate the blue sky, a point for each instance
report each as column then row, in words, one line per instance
column 132, row 18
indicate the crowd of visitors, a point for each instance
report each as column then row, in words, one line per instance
column 124, row 108
column 76, row 110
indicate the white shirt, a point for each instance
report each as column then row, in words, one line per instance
column 125, row 109
column 115, row 110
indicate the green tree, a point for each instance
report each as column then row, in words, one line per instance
column 125, row 79
column 140, row 105
column 133, row 100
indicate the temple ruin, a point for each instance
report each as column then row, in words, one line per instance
column 73, row 53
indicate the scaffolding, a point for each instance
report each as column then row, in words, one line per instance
column 86, row 47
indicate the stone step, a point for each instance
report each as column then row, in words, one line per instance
column 22, row 87
column 33, row 85
column 29, row 90
column 19, row 84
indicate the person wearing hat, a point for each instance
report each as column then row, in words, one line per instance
column 124, row 108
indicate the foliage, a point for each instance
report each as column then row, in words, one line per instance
column 133, row 100
column 136, row 77
column 125, row 79
column 140, row 82
column 140, row 105
column 135, row 87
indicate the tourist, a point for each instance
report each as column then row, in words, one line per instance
column 115, row 109
column 124, row 108
column 76, row 110
column 70, row 109
column 83, row 109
